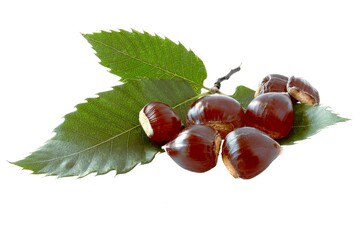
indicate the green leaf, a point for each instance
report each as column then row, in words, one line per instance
column 244, row 95
column 134, row 55
column 104, row 134
column 309, row 120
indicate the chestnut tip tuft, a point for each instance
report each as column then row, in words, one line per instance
column 272, row 83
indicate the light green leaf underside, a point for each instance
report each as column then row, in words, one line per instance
column 244, row 95
column 104, row 134
column 134, row 55
column 309, row 120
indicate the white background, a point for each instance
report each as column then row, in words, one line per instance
column 310, row 192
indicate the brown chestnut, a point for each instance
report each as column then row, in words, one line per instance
column 159, row 121
column 271, row 113
column 272, row 83
column 247, row 152
column 220, row 112
column 303, row 91
column 196, row 148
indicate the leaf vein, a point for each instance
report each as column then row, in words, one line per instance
column 89, row 148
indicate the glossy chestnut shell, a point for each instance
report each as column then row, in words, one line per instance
column 196, row 148
column 272, row 83
column 247, row 152
column 159, row 121
column 303, row 91
column 271, row 113
column 220, row 112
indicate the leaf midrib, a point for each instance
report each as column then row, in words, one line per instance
column 89, row 148
column 113, row 137
column 147, row 63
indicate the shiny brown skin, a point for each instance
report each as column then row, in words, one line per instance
column 196, row 148
column 220, row 112
column 247, row 152
column 303, row 91
column 164, row 121
column 272, row 83
column 271, row 113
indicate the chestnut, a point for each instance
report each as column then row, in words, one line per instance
column 247, row 152
column 196, row 148
column 303, row 91
column 160, row 122
column 272, row 83
column 220, row 112
column 271, row 113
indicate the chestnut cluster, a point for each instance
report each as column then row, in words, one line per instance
column 249, row 136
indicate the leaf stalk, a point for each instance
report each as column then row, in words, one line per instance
column 217, row 84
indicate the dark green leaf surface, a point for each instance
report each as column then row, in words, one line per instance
column 244, row 95
column 104, row 134
column 309, row 120
column 136, row 55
